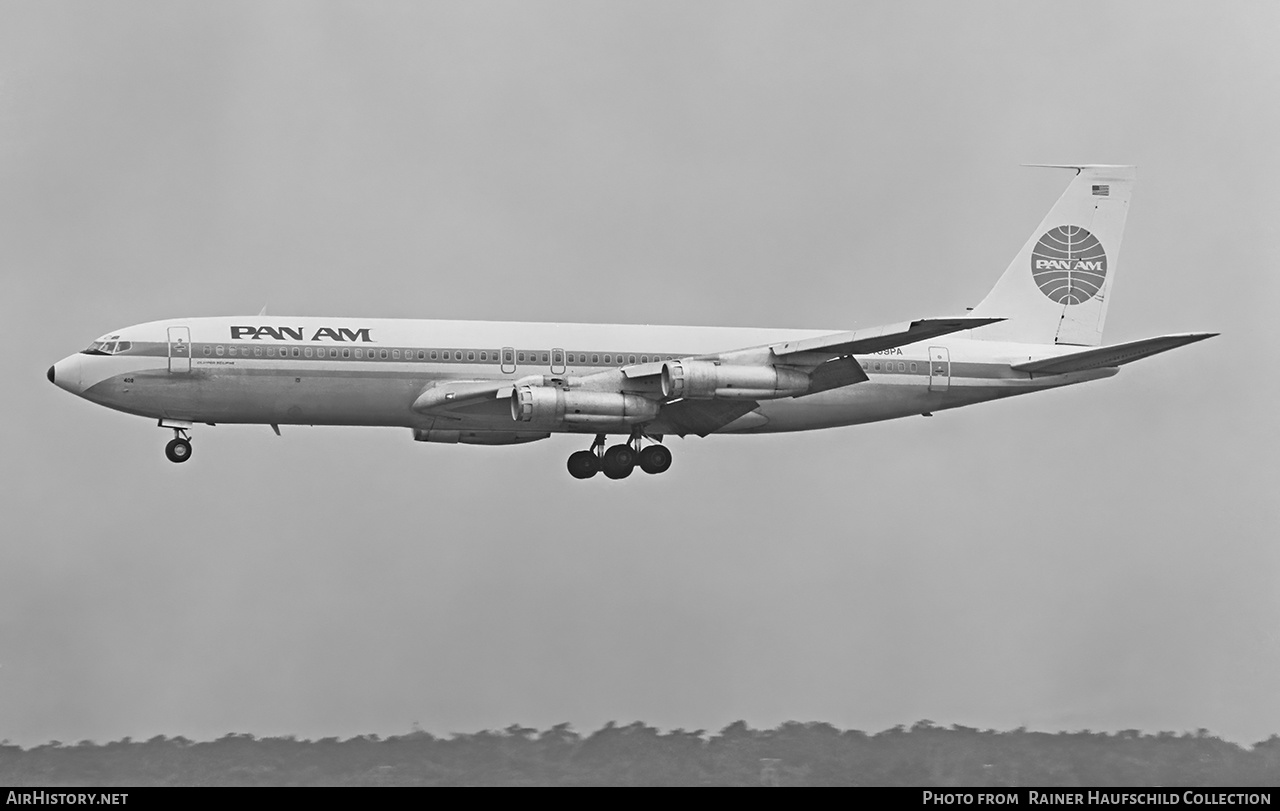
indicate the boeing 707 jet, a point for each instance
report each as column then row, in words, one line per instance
column 503, row 383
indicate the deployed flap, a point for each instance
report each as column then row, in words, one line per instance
column 700, row 417
column 642, row 370
column 835, row 373
column 1105, row 356
column 450, row 393
column 876, row 339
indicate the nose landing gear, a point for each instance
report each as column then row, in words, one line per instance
column 179, row 448
column 619, row 460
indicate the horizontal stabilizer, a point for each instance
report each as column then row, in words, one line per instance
column 877, row 339
column 1107, row 356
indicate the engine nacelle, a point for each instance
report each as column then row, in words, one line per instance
column 704, row 380
column 550, row 404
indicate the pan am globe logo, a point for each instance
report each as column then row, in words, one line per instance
column 1069, row 264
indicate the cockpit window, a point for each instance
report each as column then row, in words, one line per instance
column 107, row 348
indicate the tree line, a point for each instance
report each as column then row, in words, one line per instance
column 794, row 753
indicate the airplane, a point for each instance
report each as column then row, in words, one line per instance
column 505, row 383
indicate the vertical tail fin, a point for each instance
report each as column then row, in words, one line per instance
column 1056, row 289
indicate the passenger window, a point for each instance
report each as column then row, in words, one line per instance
column 206, row 349
column 295, row 351
column 346, row 353
column 607, row 360
column 644, row 358
column 913, row 367
column 520, row 357
column 307, row 351
column 257, row 351
column 631, row 358
column 422, row 355
column 877, row 367
column 382, row 353
column 333, row 353
column 471, row 356
column 271, row 351
column 435, row 355
column 395, row 354
column 544, row 357
column 595, row 358
column 902, row 367
column 220, row 350
column 457, row 355
column 865, row 366
column 484, row 356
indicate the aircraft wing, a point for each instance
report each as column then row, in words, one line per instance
column 877, row 339
column 811, row 353
column 826, row 358
column 1106, row 356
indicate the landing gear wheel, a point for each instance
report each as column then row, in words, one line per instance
column 655, row 459
column 619, row 461
column 583, row 464
column 178, row 450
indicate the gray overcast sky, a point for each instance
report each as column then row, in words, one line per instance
column 1101, row 557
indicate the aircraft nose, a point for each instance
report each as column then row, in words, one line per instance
column 65, row 374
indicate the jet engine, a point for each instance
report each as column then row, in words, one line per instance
column 550, row 404
column 704, row 380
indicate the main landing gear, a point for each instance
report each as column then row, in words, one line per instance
column 179, row 448
column 619, row 460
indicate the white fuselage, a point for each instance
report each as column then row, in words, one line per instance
column 343, row 371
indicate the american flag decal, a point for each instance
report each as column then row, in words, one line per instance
column 1101, row 191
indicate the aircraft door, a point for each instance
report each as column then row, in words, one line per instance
column 508, row 360
column 179, row 350
column 939, row 368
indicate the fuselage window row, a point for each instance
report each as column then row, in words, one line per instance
column 437, row 355
column 888, row 366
